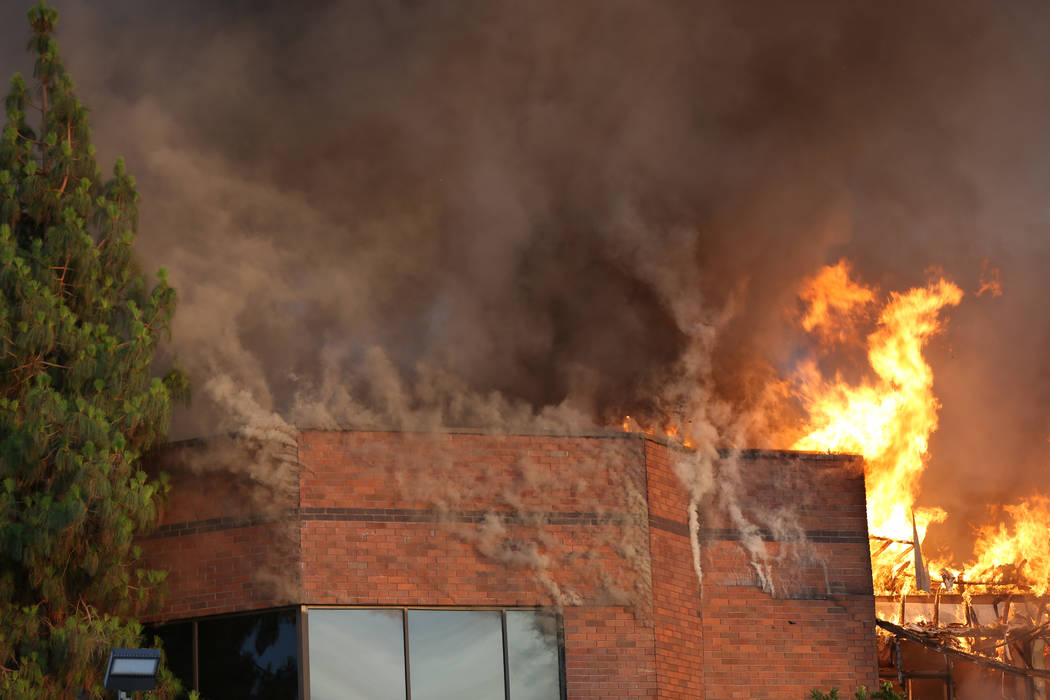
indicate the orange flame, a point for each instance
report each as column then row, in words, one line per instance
column 1018, row 552
column 989, row 281
column 833, row 300
column 889, row 420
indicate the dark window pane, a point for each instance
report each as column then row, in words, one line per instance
column 532, row 655
column 177, row 639
column 455, row 654
column 249, row 656
column 356, row 654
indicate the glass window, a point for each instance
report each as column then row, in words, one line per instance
column 888, row 610
column 356, row 654
column 533, row 662
column 952, row 613
column 249, row 656
column 360, row 654
column 456, row 654
column 918, row 610
column 177, row 639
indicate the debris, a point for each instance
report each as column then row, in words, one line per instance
column 922, row 576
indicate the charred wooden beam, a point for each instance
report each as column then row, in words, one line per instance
column 885, row 545
column 891, row 540
column 937, row 645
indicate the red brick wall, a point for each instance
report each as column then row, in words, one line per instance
column 227, row 539
column 676, row 591
column 595, row 524
column 760, row 647
column 608, row 654
column 815, row 628
column 556, row 506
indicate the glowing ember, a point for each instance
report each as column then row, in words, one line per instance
column 989, row 280
column 669, row 431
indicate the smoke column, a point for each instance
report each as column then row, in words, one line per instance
column 477, row 212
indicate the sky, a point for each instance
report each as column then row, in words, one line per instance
column 477, row 213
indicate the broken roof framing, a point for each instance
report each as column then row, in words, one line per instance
column 960, row 633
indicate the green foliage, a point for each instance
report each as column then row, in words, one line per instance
column 79, row 405
column 885, row 692
column 833, row 695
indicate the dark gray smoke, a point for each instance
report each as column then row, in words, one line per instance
column 481, row 209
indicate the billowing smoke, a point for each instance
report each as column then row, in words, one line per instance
column 413, row 213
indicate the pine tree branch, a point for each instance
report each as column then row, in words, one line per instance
column 43, row 117
column 69, row 140
column 81, row 603
column 64, row 268
column 26, row 138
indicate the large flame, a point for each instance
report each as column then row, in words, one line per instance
column 890, row 418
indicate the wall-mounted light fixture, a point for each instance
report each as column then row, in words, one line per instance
column 132, row 669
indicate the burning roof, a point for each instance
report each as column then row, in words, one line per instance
column 989, row 610
column 888, row 417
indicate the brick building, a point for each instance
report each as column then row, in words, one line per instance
column 455, row 565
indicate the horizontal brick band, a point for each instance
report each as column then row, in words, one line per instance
column 667, row 525
column 196, row 527
column 390, row 515
column 733, row 535
column 410, row 515
column 413, row 515
column 826, row 536
column 789, row 455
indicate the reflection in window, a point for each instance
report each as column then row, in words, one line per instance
column 356, row 654
column 253, row 656
column 249, row 656
column 532, row 655
column 452, row 654
column 177, row 640
column 456, row 654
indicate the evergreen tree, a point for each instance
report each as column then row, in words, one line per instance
column 79, row 405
